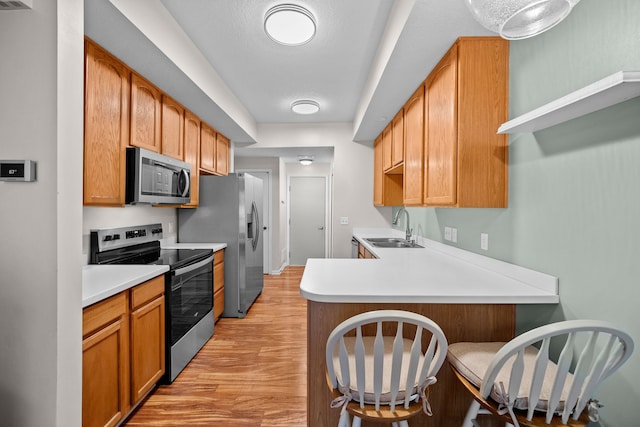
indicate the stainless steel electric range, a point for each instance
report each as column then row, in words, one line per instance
column 188, row 286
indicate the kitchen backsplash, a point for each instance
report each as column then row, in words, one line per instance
column 101, row 217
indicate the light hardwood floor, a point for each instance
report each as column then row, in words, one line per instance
column 252, row 373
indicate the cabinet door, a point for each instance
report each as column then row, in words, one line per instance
column 413, row 148
column 207, row 148
column 147, row 347
column 441, row 144
column 192, row 153
column 387, row 148
column 377, row 171
column 146, row 114
column 397, row 139
column 222, row 155
column 106, row 127
column 105, row 378
column 172, row 128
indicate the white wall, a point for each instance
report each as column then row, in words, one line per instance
column 352, row 175
column 40, row 265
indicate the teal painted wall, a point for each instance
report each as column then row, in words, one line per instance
column 574, row 189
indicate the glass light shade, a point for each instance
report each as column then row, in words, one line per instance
column 305, row 106
column 306, row 161
column 289, row 24
column 520, row 19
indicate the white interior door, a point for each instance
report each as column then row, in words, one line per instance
column 307, row 218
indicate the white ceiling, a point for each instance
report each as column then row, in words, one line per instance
column 367, row 58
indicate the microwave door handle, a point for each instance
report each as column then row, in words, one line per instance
column 187, row 181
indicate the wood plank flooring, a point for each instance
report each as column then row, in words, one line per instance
column 252, row 373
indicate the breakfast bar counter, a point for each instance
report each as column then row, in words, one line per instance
column 470, row 296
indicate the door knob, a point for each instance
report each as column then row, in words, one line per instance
column 320, row 228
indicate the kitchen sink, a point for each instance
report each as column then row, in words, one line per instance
column 391, row 242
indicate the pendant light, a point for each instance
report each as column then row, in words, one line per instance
column 520, row 19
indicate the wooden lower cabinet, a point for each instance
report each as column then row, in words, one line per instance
column 363, row 253
column 122, row 352
column 105, row 362
column 218, row 284
column 147, row 337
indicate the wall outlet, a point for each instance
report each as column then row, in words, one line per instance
column 484, row 241
column 344, row 220
column 454, row 234
column 447, row 233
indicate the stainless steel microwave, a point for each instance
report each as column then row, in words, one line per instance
column 156, row 179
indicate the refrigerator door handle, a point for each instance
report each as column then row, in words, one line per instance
column 256, row 235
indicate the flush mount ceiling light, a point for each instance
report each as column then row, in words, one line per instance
column 520, row 19
column 305, row 106
column 289, row 24
column 305, row 160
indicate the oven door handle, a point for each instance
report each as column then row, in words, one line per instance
column 183, row 270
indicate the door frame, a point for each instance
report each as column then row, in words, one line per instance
column 327, row 213
column 267, row 207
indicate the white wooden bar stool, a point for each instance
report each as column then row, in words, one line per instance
column 376, row 373
column 519, row 382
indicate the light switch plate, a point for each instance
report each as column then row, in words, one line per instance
column 484, row 241
column 344, row 220
column 447, row 233
column 454, row 235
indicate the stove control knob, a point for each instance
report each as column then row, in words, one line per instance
column 116, row 237
column 108, row 238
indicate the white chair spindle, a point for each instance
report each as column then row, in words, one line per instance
column 396, row 364
column 515, row 379
column 563, row 365
column 416, row 352
column 542, row 360
column 359, row 352
column 344, row 363
column 378, row 364
column 579, row 374
column 597, row 373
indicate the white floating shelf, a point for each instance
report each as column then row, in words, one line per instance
column 609, row 91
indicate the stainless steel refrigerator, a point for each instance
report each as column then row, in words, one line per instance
column 230, row 211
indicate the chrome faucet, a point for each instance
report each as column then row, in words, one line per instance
column 408, row 231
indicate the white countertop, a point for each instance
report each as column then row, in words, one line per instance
column 103, row 281
column 437, row 273
column 187, row 245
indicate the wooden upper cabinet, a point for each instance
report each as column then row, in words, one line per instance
column 106, row 127
column 466, row 100
column 192, row 154
column 413, row 148
column 377, row 171
column 172, row 128
column 440, row 133
column 222, row 155
column 207, row 148
column 146, row 114
column 387, row 148
column 397, row 140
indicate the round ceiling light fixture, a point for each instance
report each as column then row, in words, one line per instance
column 520, row 19
column 305, row 106
column 289, row 24
column 305, row 160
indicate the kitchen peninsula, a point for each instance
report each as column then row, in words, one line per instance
column 470, row 296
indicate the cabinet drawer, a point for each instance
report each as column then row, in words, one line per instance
column 218, row 303
column 104, row 312
column 147, row 291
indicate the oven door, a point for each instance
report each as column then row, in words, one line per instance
column 190, row 297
